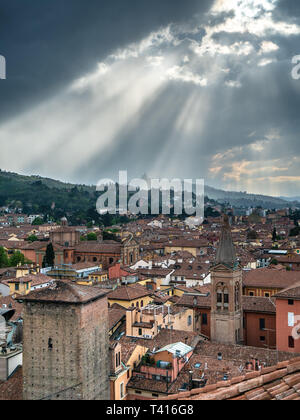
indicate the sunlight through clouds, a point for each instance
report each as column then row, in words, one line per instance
column 188, row 99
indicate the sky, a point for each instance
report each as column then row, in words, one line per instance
column 173, row 89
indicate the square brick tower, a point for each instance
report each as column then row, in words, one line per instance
column 226, row 291
column 65, row 348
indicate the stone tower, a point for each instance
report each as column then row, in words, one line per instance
column 226, row 291
column 65, row 347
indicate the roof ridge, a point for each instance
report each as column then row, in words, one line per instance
column 243, row 384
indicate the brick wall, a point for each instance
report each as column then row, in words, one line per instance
column 283, row 308
column 254, row 335
column 66, row 351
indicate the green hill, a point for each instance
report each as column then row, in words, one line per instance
column 56, row 199
column 42, row 195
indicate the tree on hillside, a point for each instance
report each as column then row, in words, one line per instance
column 18, row 258
column 32, row 238
column 274, row 236
column 37, row 222
column 109, row 236
column 3, row 258
column 295, row 231
column 49, row 257
column 91, row 236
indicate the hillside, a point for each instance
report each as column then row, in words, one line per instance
column 243, row 199
column 42, row 195
column 55, row 198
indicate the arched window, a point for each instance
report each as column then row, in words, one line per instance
column 237, row 296
column 226, row 299
column 222, row 298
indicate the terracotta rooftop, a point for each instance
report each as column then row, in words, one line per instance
column 259, row 304
column 128, row 293
column 281, row 382
column 186, row 243
column 267, row 277
column 290, row 293
column 84, row 266
column 127, row 349
column 35, row 279
column 115, row 315
column 64, row 292
column 12, row 389
column 94, row 246
column 164, row 338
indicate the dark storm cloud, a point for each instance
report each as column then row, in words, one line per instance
column 206, row 97
column 287, row 9
column 49, row 42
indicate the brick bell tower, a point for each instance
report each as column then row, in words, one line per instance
column 226, row 291
column 65, row 346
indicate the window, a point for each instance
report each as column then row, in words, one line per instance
column 262, row 339
column 122, row 390
column 251, row 294
column 118, row 359
column 291, row 319
column 262, row 324
column 290, row 302
column 204, row 319
column 237, row 296
column 17, row 287
column 140, row 331
column 222, row 298
column 267, row 295
column 190, row 321
column 291, row 343
column 50, row 344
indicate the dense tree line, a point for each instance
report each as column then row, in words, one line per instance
column 12, row 260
